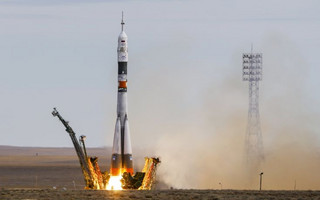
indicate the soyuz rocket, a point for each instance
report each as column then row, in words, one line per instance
column 121, row 160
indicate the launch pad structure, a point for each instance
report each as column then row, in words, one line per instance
column 98, row 180
column 252, row 72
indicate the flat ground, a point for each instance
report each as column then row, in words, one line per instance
column 50, row 173
column 156, row 194
column 46, row 168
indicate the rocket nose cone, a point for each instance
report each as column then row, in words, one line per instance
column 122, row 36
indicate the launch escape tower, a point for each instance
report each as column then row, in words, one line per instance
column 252, row 72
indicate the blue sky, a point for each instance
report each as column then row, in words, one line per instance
column 184, row 67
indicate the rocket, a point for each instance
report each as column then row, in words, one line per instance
column 121, row 160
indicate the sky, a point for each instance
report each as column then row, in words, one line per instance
column 63, row 54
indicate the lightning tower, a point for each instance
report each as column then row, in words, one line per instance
column 252, row 72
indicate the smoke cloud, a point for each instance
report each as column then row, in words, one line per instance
column 201, row 143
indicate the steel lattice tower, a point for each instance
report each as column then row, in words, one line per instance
column 252, row 72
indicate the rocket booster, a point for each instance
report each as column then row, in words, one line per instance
column 121, row 160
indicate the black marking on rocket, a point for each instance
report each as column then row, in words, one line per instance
column 122, row 89
column 122, row 67
column 127, row 161
column 116, row 161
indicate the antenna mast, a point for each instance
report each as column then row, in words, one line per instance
column 122, row 22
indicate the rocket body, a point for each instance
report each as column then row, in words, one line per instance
column 121, row 160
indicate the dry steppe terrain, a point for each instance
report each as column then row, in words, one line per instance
column 45, row 168
column 26, row 167
column 156, row 194
column 54, row 173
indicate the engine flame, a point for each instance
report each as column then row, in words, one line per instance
column 115, row 183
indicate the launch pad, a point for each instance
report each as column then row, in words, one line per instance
column 101, row 180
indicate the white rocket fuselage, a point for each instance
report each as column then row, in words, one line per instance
column 121, row 160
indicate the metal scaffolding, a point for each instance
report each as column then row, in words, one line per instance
column 252, row 72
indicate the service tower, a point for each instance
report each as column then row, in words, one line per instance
column 252, row 72
column 121, row 160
